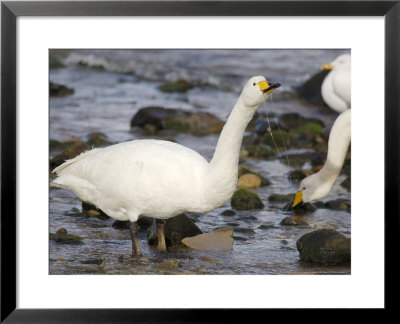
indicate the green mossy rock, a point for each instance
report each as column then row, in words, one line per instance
column 55, row 63
column 244, row 199
column 281, row 138
column 324, row 246
column 71, row 149
column 281, row 197
column 97, row 140
column 181, row 85
column 62, row 236
column 293, row 221
column 310, row 127
column 260, row 151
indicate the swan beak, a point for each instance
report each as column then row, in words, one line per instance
column 327, row 67
column 266, row 87
column 298, row 198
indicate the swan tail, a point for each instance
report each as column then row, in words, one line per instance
column 80, row 157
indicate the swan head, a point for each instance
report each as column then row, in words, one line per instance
column 256, row 91
column 342, row 62
column 311, row 188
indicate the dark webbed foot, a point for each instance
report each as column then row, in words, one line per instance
column 135, row 242
column 161, row 234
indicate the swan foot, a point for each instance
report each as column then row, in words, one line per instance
column 161, row 235
column 135, row 242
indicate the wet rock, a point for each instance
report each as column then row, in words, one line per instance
column 244, row 199
column 297, row 175
column 310, row 127
column 291, row 221
column 93, row 211
column 243, row 170
column 243, row 230
column 92, row 261
column 280, row 138
column 293, row 120
column 169, row 264
column 59, row 90
column 121, row 225
column 311, row 89
column 266, row 226
column 324, row 246
column 262, row 126
column 318, row 158
column 180, row 85
column 338, row 204
column 176, row 229
column 249, row 181
column 55, row 63
column 239, row 238
column 260, row 151
column 228, row 212
column 71, row 149
column 216, row 240
column 281, row 197
column 62, row 236
column 304, row 209
column 97, row 140
column 158, row 118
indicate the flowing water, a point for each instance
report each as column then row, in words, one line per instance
column 111, row 85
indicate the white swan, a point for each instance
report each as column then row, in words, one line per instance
column 336, row 87
column 162, row 179
column 319, row 184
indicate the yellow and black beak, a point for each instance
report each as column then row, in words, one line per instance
column 327, row 67
column 267, row 87
column 298, row 198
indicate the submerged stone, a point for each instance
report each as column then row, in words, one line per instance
column 180, row 85
column 281, row 197
column 59, row 90
column 325, row 246
column 292, row 221
column 62, row 236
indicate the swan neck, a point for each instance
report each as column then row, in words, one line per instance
column 226, row 155
column 339, row 141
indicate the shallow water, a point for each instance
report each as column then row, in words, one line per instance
column 106, row 99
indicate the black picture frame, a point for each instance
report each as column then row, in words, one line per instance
column 390, row 10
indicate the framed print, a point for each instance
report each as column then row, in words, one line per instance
column 106, row 101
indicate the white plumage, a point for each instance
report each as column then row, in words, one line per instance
column 162, row 179
column 319, row 184
column 336, row 87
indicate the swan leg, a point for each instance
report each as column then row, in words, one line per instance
column 161, row 234
column 135, row 242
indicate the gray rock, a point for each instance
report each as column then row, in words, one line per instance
column 290, row 221
column 325, row 246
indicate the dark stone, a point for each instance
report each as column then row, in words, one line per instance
column 176, row 229
column 55, row 63
column 297, row 175
column 180, row 85
column 346, row 183
column 280, row 138
column 244, row 199
column 280, row 198
column 59, row 90
column 158, row 118
column 228, row 212
column 338, row 204
column 303, row 209
column 318, row 158
column 243, row 230
column 262, row 126
column 62, row 236
column 260, row 151
column 266, row 226
column 121, row 224
column 294, row 120
column 325, row 246
column 92, row 261
column 311, row 89
column 290, row 221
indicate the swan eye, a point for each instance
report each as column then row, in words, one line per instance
column 254, row 84
column 304, row 188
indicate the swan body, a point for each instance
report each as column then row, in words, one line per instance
column 162, row 179
column 319, row 184
column 336, row 87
